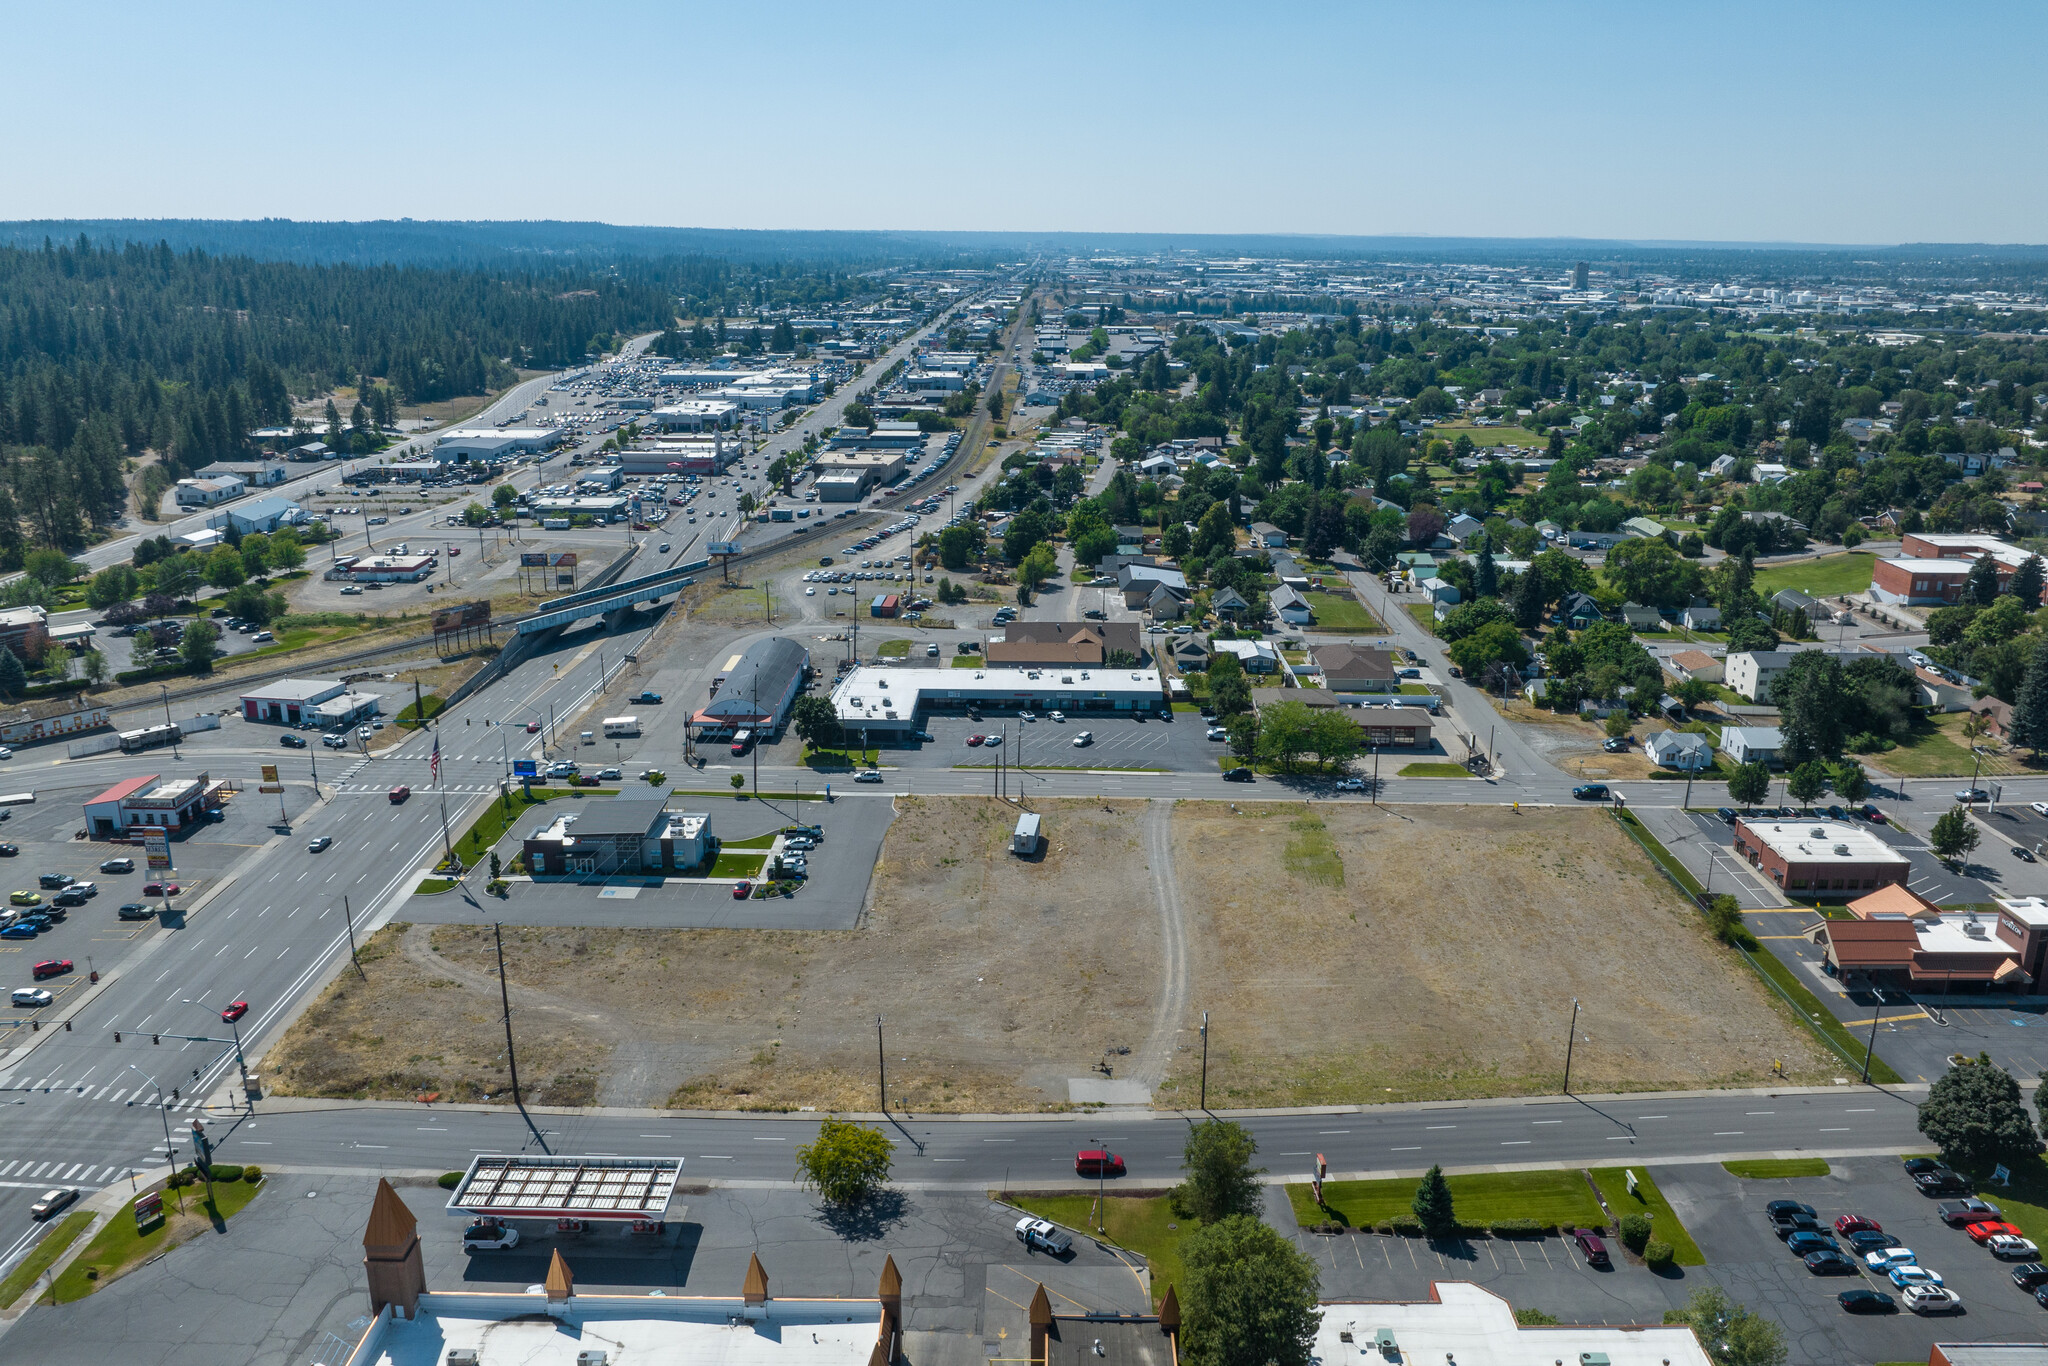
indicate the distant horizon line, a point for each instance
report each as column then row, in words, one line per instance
column 1407, row 239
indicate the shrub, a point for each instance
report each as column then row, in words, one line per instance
column 226, row 1171
column 1406, row 1224
column 1659, row 1256
column 450, row 1180
column 253, row 1175
column 1517, row 1228
column 1635, row 1231
column 498, row 886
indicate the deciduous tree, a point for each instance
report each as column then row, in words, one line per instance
column 1249, row 1298
column 1221, row 1180
column 1975, row 1115
column 846, row 1163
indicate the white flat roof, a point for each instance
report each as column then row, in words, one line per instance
column 1919, row 566
column 1474, row 1327
column 869, row 694
column 1951, row 932
column 294, row 690
column 1822, row 841
column 524, row 1330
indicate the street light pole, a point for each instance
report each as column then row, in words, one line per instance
column 1871, row 1048
column 170, row 1148
column 1571, row 1037
column 505, row 1000
column 1205, row 1061
column 881, row 1068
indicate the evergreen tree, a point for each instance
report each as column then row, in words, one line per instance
column 2026, row 582
column 2029, row 724
column 13, row 677
column 1433, row 1205
column 1981, row 587
column 1485, row 578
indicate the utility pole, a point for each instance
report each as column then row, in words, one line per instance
column 349, row 923
column 165, row 691
column 419, row 705
column 505, row 999
column 1205, row 1062
column 1871, row 1048
column 881, row 1068
column 1571, row 1036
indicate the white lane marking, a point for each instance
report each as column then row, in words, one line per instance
column 1727, row 1133
column 1439, row 1126
column 1516, row 1142
column 1415, row 1149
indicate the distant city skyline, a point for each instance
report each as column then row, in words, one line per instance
column 1820, row 123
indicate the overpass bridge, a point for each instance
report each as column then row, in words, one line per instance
column 612, row 598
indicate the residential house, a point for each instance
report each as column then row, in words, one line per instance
column 1138, row 581
column 1940, row 694
column 1721, row 464
column 1778, row 522
column 1597, row 540
column 1355, row 668
column 1256, row 656
column 254, row 473
column 1997, row 716
column 1689, row 664
column 206, row 493
column 1752, row 672
column 1680, row 749
column 1442, row 593
column 1792, row 600
column 1646, row 529
column 1266, row 534
column 1229, row 604
column 1641, row 618
column 1752, row 744
column 1055, row 644
column 1578, row 611
column 1700, row 617
column 1292, row 606
column 1155, row 466
column 1163, row 604
column 1188, row 654
column 1464, row 528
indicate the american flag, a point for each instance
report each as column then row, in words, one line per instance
column 434, row 764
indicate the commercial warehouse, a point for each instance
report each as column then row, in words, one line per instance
column 882, row 703
column 755, row 689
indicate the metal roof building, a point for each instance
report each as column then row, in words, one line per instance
column 759, row 686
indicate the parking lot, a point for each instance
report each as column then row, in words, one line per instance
column 92, row 936
column 840, row 868
column 1725, row 1216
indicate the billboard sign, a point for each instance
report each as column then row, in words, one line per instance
column 526, row 768
column 156, row 848
column 462, row 617
column 563, row 560
column 723, row 548
column 533, row 559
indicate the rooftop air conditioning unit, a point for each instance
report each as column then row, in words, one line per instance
column 591, row 1356
column 1975, row 930
column 462, row 1356
column 1841, row 851
column 1819, row 833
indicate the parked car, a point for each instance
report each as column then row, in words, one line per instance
column 2031, row 1275
column 1216, row 733
column 1866, row 1302
column 651, row 698
column 290, row 741
column 1591, row 1247
column 1931, row 1299
column 161, row 889
column 1871, row 814
column 50, row 967
column 1097, row 1162
column 1083, row 739
column 1943, row 1182
column 70, row 896
column 1903, row 1276
column 1828, row 1262
column 55, row 880
column 741, row 890
column 1865, row 1241
column 1982, row 1233
column 1916, row 1165
column 135, row 910
column 1963, row 1213
column 117, row 865
column 868, row 775
column 1590, row 792
column 1884, row 1259
column 1846, row 1224
column 24, row 898
column 1038, row 1235
column 30, row 998
column 2012, row 1248
column 1727, row 815
column 489, row 1237
column 1810, row 1240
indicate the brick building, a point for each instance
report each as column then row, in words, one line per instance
column 1819, row 859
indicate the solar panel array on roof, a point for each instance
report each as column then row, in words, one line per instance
column 589, row 1187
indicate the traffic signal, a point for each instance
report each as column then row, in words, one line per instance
column 117, row 1036
column 156, row 1038
column 174, row 1093
column 67, row 1026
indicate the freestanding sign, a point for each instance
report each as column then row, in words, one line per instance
column 156, row 848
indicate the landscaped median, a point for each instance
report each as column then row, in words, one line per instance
column 42, row 1257
column 120, row 1246
column 1775, row 1168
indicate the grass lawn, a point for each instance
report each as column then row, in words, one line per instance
column 766, row 841
column 2025, row 1201
column 1826, row 577
column 1937, row 750
column 1424, row 614
column 477, row 842
column 1433, row 771
column 1548, row 1197
column 1664, row 1222
column 430, row 886
column 1341, row 612
column 738, row 865
column 1768, row 1168
column 1142, row 1224
column 1415, row 689
column 47, row 1251
column 119, row 1248
column 967, row 661
column 893, row 649
column 409, row 714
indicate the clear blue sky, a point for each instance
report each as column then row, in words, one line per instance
column 1818, row 122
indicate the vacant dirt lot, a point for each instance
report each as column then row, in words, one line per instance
column 1442, row 959
column 998, row 979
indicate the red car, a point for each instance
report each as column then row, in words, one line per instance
column 399, row 794
column 51, row 967
column 1991, row 1228
column 235, row 1012
column 1097, row 1162
column 974, row 740
column 1591, row 1247
column 161, row 889
column 533, row 727
column 1856, row 1223
column 741, row 891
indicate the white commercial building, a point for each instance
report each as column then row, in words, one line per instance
column 694, row 414
column 883, row 702
column 1464, row 1324
column 521, row 438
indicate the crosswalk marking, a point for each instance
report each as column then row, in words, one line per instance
column 74, row 1171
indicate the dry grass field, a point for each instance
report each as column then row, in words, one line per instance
column 998, row 979
column 1442, row 959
